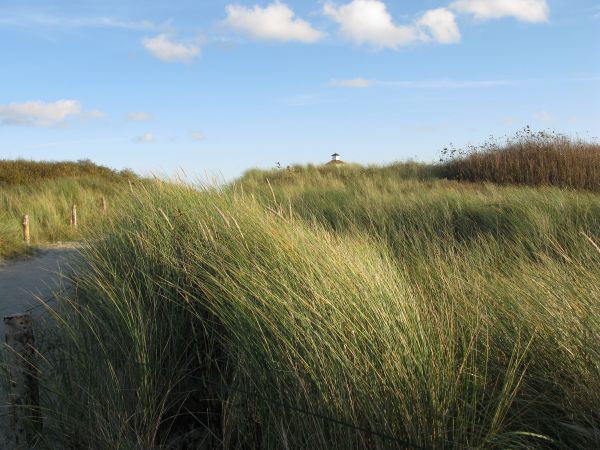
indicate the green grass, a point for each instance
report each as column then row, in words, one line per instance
column 303, row 311
column 22, row 171
column 48, row 204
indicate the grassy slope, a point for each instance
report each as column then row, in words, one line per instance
column 441, row 314
column 46, row 192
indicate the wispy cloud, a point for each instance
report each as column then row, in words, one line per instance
column 356, row 83
column 543, row 116
column 76, row 142
column 139, row 116
column 146, row 138
column 197, row 136
column 421, row 84
column 44, row 114
column 69, row 22
column 166, row 49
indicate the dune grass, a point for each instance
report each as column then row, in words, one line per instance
column 48, row 204
column 333, row 309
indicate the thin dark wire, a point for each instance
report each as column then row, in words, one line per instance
column 321, row 416
column 401, row 442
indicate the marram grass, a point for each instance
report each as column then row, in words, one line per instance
column 48, row 203
column 358, row 312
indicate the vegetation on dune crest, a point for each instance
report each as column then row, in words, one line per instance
column 364, row 313
column 22, row 171
column 377, row 307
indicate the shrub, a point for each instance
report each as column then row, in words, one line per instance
column 26, row 172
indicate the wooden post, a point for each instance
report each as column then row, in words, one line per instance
column 23, row 395
column 104, row 205
column 74, row 216
column 26, row 236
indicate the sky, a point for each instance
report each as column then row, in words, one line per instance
column 217, row 87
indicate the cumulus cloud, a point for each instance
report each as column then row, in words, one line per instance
column 357, row 83
column 369, row 22
column 441, row 23
column 166, row 49
column 275, row 22
column 146, row 138
column 139, row 116
column 44, row 114
column 523, row 10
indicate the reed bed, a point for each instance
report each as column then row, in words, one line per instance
column 532, row 158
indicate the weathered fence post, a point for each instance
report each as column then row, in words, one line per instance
column 104, row 205
column 74, row 216
column 23, row 395
column 26, row 237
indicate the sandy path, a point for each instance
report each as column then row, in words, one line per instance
column 25, row 281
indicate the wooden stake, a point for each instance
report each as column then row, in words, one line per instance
column 23, row 395
column 74, row 216
column 104, row 205
column 26, row 236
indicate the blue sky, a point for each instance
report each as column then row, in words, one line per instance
column 219, row 86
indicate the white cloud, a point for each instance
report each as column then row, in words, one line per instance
column 146, row 138
column 421, row 84
column 165, row 49
column 275, row 22
column 524, row 10
column 93, row 114
column 358, row 83
column 197, row 136
column 64, row 22
column 139, row 116
column 44, row 114
column 369, row 22
column 442, row 25
column 543, row 116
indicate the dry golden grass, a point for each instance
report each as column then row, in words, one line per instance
column 532, row 158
